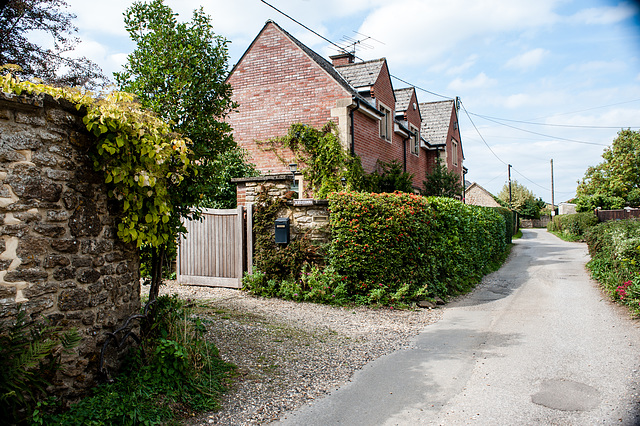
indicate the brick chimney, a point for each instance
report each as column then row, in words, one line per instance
column 344, row 58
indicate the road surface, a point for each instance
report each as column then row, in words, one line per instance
column 536, row 343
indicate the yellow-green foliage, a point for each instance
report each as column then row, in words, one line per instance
column 137, row 153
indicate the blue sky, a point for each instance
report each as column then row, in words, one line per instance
column 538, row 80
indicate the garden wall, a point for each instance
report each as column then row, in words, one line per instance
column 535, row 223
column 59, row 253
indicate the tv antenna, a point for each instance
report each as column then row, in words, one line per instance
column 349, row 44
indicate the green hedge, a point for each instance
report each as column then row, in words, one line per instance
column 510, row 222
column 385, row 249
column 615, row 259
column 395, row 247
column 574, row 225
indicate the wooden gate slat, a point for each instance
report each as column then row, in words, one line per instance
column 212, row 251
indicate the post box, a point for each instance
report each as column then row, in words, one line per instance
column 282, row 230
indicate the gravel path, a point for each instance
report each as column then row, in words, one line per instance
column 289, row 353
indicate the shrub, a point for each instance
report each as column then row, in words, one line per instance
column 510, row 222
column 615, row 260
column 174, row 372
column 30, row 354
column 391, row 248
column 388, row 249
column 573, row 225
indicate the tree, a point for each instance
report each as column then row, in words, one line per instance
column 391, row 178
column 619, row 174
column 178, row 70
column 441, row 182
column 19, row 19
column 520, row 195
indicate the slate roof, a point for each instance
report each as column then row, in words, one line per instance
column 436, row 117
column 403, row 97
column 361, row 74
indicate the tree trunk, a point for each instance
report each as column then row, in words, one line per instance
column 157, row 258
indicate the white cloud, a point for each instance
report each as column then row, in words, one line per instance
column 527, row 60
column 605, row 15
column 427, row 29
column 481, row 81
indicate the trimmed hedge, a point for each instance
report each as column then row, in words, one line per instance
column 615, row 260
column 398, row 247
column 510, row 222
column 575, row 225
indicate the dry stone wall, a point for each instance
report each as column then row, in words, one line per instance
column 59, row 253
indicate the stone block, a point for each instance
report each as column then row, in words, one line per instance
column 30, row 275
column 7, row 291
column 57, row 216
column 87, row 276
column 37, row 305
column 85, row 222
column 73, row 299
column 55, row 260
column 52, row 231
column 39, row 289
column 64, row 274
column 68, row 245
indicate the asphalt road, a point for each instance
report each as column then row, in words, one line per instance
column 536, row 343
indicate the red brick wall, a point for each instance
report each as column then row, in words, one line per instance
column 369, row 146
column 276, row 85
column 454, row 134
column 416, row 164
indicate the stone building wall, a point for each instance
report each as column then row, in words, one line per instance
column 59, row 253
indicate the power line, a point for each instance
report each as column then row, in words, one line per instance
column 554, row 125
column 546, row 136
column 342, row 49
column 479, row 134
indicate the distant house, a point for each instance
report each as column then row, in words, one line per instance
column 476, row 195
column 279, row 81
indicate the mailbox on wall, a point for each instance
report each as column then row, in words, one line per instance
column 282, row 230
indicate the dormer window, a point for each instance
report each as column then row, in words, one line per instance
column 386, row 123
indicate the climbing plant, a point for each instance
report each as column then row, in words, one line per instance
column 320, row 157
column 137, row 153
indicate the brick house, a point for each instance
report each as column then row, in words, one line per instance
column 279, row 81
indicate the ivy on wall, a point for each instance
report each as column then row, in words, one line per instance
column 137, row 153
column 319, row 153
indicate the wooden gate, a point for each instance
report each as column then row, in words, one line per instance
column 217, row 249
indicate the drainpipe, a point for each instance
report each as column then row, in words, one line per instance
column 353, row 134
column 404, row 153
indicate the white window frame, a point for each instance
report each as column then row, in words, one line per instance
column 415, row 140
column 454, row 153
column 386, row 123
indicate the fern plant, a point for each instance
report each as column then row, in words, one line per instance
column 30, row 353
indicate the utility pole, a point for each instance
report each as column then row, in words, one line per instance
column 553, row 206
column 509, row 173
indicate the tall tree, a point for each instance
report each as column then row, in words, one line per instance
column 20, row 19
column 178, row 70
column 441, row 182
column 619, row 174
column 520, row 195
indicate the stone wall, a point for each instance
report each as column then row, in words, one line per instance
column 535, row 223
column 308, row 217
column 59, row 253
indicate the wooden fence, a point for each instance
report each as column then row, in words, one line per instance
column 217, row 249
column 606, row 215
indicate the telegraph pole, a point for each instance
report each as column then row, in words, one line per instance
column 553, row 206
column 509, row 173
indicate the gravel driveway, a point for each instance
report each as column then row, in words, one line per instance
column 290, row 353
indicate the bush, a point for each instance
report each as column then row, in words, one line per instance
column 510, row 222
column 173, row 373
column 30, row 354
column 573, row 225
column 615, row 260
column 391, row 248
